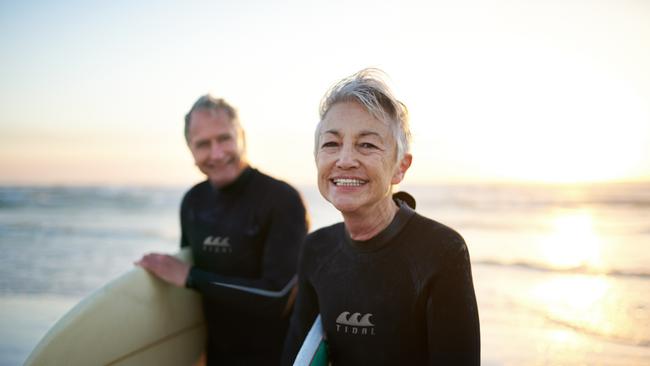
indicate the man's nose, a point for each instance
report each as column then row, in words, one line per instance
column 347, row 158
column 216, row 151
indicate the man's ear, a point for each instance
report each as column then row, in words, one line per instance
column 401, row 168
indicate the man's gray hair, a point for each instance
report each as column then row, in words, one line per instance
column 210, row 103
column 368, row 88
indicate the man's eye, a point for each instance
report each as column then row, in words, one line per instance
column 224, row 138
column 201, row 145
column 329, row 144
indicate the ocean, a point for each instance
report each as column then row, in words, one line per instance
column 561, row 272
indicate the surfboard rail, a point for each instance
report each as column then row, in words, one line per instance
column 314, row 349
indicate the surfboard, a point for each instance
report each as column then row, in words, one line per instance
column 135, row 319
column 313, row 351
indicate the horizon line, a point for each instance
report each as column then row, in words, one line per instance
column 34, row 184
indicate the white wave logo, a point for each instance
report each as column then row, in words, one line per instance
column 355, row 323
column 346, row 319
column 217, row 244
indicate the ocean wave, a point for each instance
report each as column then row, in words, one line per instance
column 465, row 196
column 571, row 270
column 505, row 196
column 57, row 197
column 62, row 231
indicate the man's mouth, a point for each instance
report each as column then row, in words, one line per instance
column 348, row 182
column 221, row 164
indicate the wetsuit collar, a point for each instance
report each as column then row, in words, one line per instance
column 239, row 182
column 385, row 236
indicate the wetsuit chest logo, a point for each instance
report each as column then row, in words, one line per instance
column 217, row 244
column 355, row 324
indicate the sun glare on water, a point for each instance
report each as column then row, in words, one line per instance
column 578, row 295
column 571, row 243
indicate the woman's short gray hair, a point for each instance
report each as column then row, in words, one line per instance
column 210, row 103
column 368, row 88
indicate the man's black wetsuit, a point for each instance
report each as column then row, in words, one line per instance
column 245, row 240
column 404, row 297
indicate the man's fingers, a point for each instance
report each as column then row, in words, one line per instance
column 151, row 261
column 165, row 267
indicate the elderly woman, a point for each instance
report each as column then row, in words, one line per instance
column 392, row 287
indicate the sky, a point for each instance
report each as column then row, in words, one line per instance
column 525, row 91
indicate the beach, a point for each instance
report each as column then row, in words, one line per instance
column 561, row 272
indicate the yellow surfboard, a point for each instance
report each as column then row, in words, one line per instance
column 135, row 319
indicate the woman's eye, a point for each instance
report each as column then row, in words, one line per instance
column 329, row 144
column 367, row 145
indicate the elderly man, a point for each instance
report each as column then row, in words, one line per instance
column 244, row 229
column 391, row 286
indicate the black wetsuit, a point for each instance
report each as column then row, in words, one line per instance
column 245, row 240
column 404, row 297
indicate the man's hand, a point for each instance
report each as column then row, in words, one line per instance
column 165, row 267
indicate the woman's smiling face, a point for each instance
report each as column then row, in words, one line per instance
column 356, row 159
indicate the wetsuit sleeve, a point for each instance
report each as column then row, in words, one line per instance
column 286, row 233
column 304, row 312
column 183, row 212
column 452, row 314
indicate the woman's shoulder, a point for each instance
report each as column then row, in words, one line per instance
column 326, row 234
column 435, row 233
column 324, row 240
column 320, row 247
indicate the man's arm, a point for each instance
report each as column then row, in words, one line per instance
column 286, row 234
column 452, row 314
column 287, row 231
column 304, row 313
column 164, row 266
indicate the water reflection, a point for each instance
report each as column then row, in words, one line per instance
column 572, row 242
column 595, row 305
column 586, row 300
column 577, row 301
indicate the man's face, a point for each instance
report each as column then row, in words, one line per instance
column 216, row 145
column 355, row 158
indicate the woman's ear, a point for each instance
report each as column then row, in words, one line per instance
column 401, row 168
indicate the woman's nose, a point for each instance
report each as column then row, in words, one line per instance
column 347, row 158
